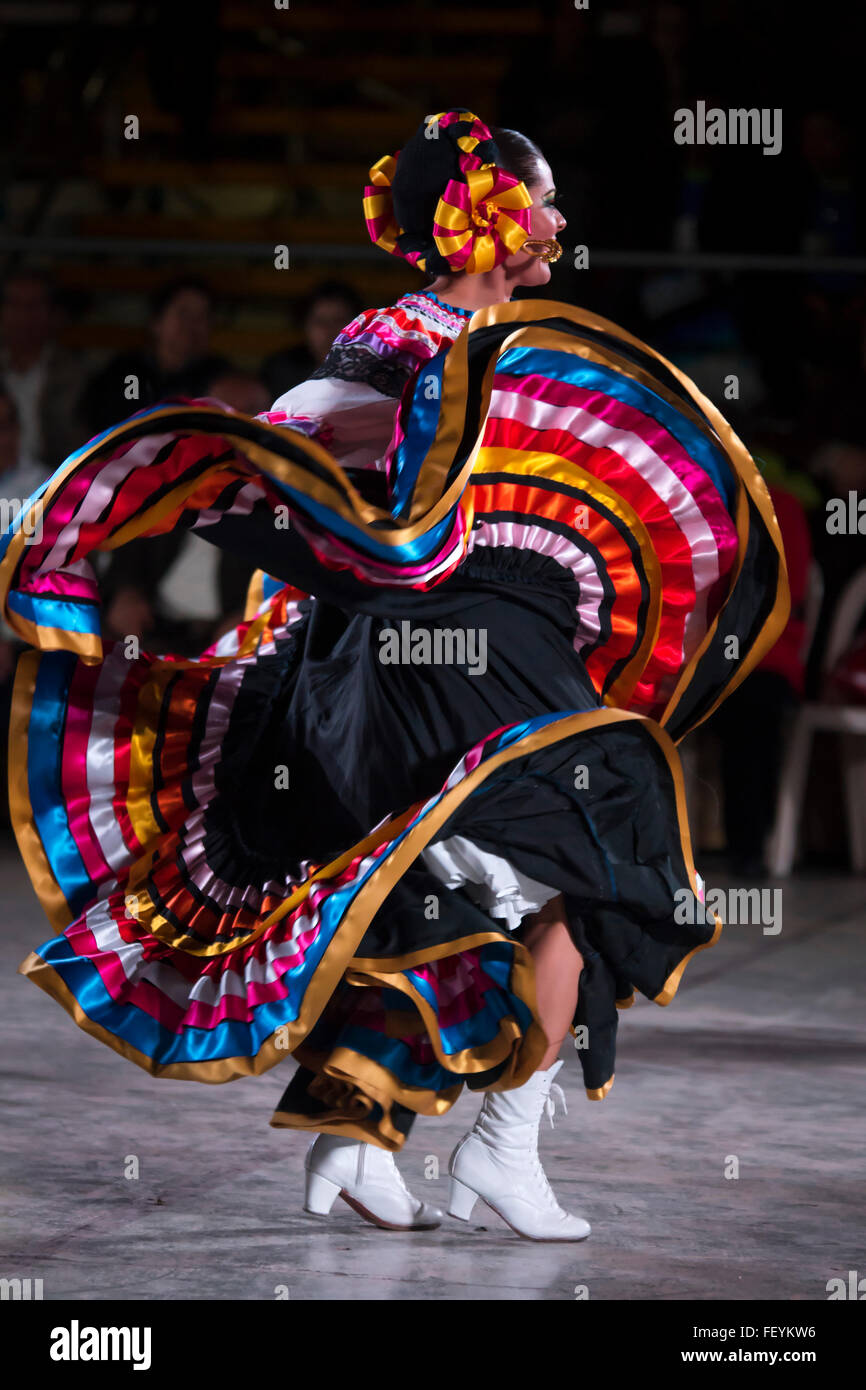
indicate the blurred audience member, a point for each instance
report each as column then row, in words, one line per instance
column 327, row 310
column 241, row 390
column 839, row 466
column 176, row 592
column 831, row 220
column 164, row 591
column 777, row 472
column 19, row 477
column 230, row 575
column 19, row 474
column 750, row 722
column 176, row 363
column 43, row 378
column 233, row 580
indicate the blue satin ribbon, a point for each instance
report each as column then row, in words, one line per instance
column 55, row 612
column 44, row 784
column 423, row 420
column 564, row 366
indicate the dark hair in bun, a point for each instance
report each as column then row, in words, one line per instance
column 427, row 163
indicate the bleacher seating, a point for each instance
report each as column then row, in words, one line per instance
column 296, row 121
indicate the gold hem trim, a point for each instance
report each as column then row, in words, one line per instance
column 672, row 983
column 388, row 964
column 600, row 1091
column 338, row 955
column 346, row 1065
column 470, row 1061
column 331, row 1123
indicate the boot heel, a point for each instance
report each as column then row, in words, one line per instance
column 320, row 1194
column 461, row 1201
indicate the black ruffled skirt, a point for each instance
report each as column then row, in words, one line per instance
column 319, row 839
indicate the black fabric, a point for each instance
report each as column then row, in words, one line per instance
column 297, row 1100
column 611, row 847
column 365, row 739
column 745, row 614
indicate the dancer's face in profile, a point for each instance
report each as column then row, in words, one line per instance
column 547, row 221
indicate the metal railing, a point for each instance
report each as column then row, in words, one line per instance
column 178, row 248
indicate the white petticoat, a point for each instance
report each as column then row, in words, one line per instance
column 494, row 884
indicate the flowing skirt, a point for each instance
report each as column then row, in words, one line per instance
column 319, row 838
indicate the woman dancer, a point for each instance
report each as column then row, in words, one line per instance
column 410, row 830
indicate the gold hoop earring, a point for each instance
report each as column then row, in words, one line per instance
column 548, row 249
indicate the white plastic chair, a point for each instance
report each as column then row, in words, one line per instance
column 847, row 720
column 814, row 600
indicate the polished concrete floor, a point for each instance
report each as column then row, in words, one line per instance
column 757, row 1066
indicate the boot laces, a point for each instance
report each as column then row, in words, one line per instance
column 391, row 1165
column 538, row 1172
column 550, row 1106
column 544, row 1188
column 395, row 1171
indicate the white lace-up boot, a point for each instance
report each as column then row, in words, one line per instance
column 498, row 1162
column 368, row 1179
